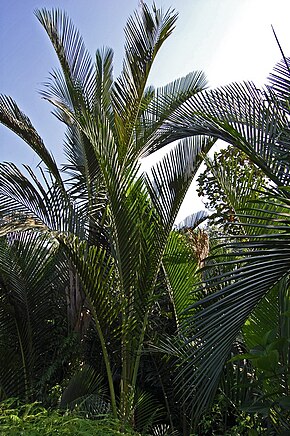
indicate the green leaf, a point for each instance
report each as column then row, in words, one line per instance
column 284, row 402
column 268, row 362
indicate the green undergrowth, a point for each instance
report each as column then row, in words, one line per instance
column 33, row 419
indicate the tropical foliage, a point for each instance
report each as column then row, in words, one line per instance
column 229, row 181
column 107, row 307
column 33, row 419
column 108, row 222
column 241, row 274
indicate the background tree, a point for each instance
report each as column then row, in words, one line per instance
column 230, row 180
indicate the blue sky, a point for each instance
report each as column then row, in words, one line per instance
column 230, row 40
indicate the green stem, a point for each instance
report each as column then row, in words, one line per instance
column 124, row 377
column 139, row 350
column 164, row 395
column 23, row 361
column 107, row 364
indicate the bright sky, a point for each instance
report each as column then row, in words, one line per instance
column 231, row 40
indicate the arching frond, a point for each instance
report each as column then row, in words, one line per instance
column 13, row 118
column 180, row 267
column 251, row 268
column 163, row 103
column 30, row 278
column 172, row 176
column 192, row 221
column 25, row 205
column 241, row 115
column 74, row 59
column 279, row 81
column 86, row 394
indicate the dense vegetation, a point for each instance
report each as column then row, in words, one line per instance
column 33, row 419
column 108, row 310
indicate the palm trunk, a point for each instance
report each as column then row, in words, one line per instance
column 75, row 302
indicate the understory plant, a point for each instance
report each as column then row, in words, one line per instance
column 33, row 419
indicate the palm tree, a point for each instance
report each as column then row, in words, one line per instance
column 255, row 121
column 111, row 221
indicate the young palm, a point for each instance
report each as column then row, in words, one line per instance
column 111, row 221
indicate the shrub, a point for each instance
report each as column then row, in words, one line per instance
column 33, row 419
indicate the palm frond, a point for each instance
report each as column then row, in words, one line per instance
column 172, row 177
column 181, row 272
column 95, row 268
column 13, row 118
column 86, row 394
column 29, row 326
column 85, row 177
column 145, row 33
column 104, row 82
column 252, row 267
column 74, row 59
column 163, row 103
column 279, row 81
column 264, row 318
column 242, row 115
column 192, row 221
column 147, row 411
column 25, row 204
